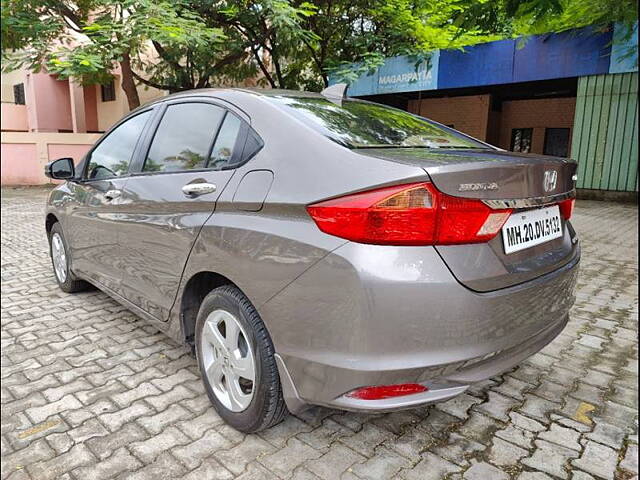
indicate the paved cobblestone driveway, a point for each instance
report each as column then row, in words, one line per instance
column 90, row 392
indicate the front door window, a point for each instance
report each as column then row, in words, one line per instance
column 112, row 156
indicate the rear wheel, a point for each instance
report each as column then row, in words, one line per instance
column 59, row 253
column 235, row 356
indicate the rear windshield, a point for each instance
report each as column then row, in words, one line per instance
column 359, row 124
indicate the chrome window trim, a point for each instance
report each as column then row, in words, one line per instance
column 529, row 202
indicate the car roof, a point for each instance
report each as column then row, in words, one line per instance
column 264, row 92
column 229, row 93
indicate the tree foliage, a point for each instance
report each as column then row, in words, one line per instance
column 161, row 43
column 183, row 44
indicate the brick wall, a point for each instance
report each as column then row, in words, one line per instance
column 537, row 114
column 469, row 114
column 472, row 115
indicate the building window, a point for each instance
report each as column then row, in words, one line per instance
column 521, row 139
column 108, row 92
column 18, row 94
column 556, row 142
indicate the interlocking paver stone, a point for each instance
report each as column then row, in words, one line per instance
column 517, row 436
column 335, row 462
column 385, row 464
column 534, row 476
column 506, row 453
column 562, row 436
column 550, row 458
column 483, row 471
column 76, row 456
column 91, row 391
column 458, row 449
column 148, row 450
column 193, row 453
column 120, row 461
column 285, row 460
column 431, row 467
column 606, row 434
column 598, row 460
column 630, row 460
column 251, row 448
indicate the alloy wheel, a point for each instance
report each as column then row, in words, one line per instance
column 228, row 360
column 59, row 257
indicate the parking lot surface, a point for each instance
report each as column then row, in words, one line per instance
column 90, row 392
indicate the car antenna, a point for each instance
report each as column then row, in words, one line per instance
column 335, row 93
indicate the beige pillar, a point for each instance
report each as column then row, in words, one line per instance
column 76, row 93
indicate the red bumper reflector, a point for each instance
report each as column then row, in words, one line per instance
column 387, row 391
column 566, row 208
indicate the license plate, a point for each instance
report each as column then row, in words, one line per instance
column 533, row 227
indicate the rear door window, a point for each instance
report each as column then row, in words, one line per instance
column 184, row 137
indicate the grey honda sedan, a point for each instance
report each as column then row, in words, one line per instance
column 314, row 249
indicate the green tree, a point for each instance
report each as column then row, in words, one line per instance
column 183, row 44
column 511, row 18
column 85, row 40
column 542, row 16
column 298, row 44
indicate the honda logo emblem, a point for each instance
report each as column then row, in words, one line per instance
column 550, row 180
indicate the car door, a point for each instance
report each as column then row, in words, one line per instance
column 172, row 194
column 93, row 223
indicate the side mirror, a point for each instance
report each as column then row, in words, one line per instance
column 60, row 169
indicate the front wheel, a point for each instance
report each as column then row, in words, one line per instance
column 235, row 356
column 60, row 260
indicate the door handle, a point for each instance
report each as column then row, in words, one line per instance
column 112, row 194
column 196, row 189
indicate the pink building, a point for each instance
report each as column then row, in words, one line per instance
column 51, row 105
column 44, row 118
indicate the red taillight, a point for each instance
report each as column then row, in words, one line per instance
column 387, row 391
column 566, row 208
column 416, row 214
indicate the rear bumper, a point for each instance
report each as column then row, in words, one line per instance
column 371, row 315
column 448, row 386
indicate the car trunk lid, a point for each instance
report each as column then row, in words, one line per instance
column 503, row 180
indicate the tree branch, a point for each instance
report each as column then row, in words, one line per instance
column 150, row 83
column 262, row 66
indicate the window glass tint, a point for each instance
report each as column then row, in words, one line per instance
column 184, row 137
column 521, row 139
column 18, row 94
column 252, row 145
column 358, row 124
column 112, row 156
column 108, row 92
column 556, row 142
column 225, row 141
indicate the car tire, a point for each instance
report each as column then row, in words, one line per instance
column 247, row 408
column 67, row 281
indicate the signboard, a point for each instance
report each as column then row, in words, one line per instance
column 483, row 64
column 399, row 74
column 624, row 51
column 574, row 53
